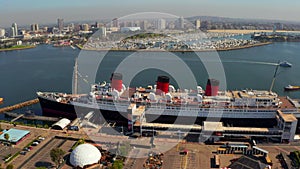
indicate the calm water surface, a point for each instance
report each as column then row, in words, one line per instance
column 46, row 68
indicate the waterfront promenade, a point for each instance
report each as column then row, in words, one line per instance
column 18, row 48
column 242, row 31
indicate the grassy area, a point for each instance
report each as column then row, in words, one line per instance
column 18, row 47
column 46, row 125
column 79, row 46
column 146, row 35
column 11, row 157
column 81, row 141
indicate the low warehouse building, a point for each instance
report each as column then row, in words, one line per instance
column 15, row 136
column 61, row 124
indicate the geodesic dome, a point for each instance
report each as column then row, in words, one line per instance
column 84, row 154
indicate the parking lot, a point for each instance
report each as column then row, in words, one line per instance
column 198, row 154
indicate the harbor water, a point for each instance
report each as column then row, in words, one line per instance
column 46, row 68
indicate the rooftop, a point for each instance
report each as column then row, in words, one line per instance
column 287, row 117
column 139, row 111
column 14, row 135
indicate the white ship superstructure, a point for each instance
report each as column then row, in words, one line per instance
column 163, row 99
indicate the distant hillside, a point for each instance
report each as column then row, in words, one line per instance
column 238, row 20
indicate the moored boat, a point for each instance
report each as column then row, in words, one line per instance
column 285, row 64
column 291, row 87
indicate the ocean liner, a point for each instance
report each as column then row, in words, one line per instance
column 164, row 104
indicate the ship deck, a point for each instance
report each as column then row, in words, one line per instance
column 286, row 104
column 208, row 126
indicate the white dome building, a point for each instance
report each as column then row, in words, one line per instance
column 85, row 154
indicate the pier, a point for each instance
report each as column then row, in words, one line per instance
column 15, row 119
column 19, row 105
column 31, row 117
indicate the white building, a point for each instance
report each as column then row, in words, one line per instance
column 102, row 31
column 128, row 29
column 85, row 155
column 60, row 24
column 34, row 27
column 85, row 27
column 160, row 24
column 288, row 124
column 197, row 24
column 14, row 29
column 180, row 24
column 2, row 32
column 19, row 42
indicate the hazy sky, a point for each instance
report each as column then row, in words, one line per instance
column 26, row 12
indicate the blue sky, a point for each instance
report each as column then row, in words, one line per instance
column 47, row 11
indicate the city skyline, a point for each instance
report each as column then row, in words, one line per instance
column 33, row 11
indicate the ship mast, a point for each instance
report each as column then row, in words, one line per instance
column 274, row 77
column 75, row 85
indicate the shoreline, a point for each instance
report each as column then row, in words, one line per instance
column 20, row 48
column 240, row 31
column 187, row 50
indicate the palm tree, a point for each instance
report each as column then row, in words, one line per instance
column 57, row 155
column 6, row 136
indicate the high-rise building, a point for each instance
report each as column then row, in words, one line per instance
column 71, row 27
column 197, row 24
column 171, row 25
column 2, row 32
column 14, row 30
column 279, row 26
column 160, row 24
column 128, row 24
column 97, row 25
column 85, row 27
column 205, row 25
column 115, row 22
column 102, row 31
column 34, row 27
column 144, row 25
column 60, row 24
column 180, row 23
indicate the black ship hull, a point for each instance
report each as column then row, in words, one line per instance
column 56, row 109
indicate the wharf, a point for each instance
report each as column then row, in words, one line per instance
column 31, row 117
column 19, row 105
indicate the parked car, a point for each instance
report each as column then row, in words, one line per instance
column 23, row 152
column 74, row 128
column 35, row 143
column 41, row 138
column 26, row 149
column 39, row 141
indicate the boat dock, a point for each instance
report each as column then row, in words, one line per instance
column 18, row 106
column 15, row 119
column 31, row 117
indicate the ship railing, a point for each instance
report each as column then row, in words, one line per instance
column 253, row 135
column 290, row 111
column 105, row 105
column 183, row 108
column 109, row 102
